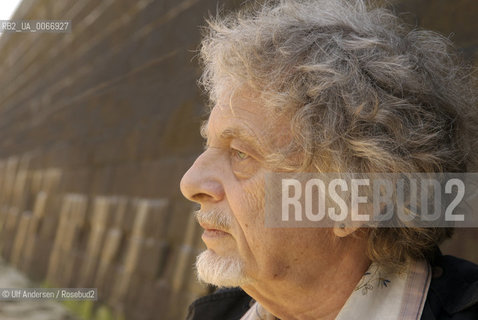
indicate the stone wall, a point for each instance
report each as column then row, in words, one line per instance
column 97, row 128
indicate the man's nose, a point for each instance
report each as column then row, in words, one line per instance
column 202, row 182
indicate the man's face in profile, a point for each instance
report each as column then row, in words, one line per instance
column 227, row 180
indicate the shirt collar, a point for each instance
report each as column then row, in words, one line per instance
column 379, row 295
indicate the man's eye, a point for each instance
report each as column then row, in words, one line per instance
column 239, row 154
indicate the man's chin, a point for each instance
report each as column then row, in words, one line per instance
column 220, row 271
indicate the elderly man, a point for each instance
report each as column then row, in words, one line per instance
column 327, row 86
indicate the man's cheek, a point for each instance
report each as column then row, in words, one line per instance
column 253, row 202
column 245, row 169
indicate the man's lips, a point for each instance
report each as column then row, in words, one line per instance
column 211, row 231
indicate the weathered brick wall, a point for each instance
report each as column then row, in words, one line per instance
column 97, row 128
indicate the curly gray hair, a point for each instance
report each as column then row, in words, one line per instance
column 364, row 92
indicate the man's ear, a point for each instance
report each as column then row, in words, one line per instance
column 341, row 230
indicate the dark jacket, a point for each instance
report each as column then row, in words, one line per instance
column 453, row 295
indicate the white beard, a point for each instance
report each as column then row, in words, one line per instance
column 220, row 271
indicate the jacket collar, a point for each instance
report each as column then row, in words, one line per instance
column 450, row 276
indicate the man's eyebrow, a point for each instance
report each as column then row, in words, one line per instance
column 231, row 133
column 241, row 134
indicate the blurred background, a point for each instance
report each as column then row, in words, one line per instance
column 97, row 127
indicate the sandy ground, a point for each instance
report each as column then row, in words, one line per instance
column 27, row 310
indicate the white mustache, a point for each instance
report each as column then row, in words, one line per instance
column 217, row 218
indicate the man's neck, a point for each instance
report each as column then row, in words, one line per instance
column 309, row 293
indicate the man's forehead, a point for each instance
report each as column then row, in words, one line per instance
column 244, row 125
column 240, row 100
column 242, row 114
column 264, row 136
column 238, row 115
